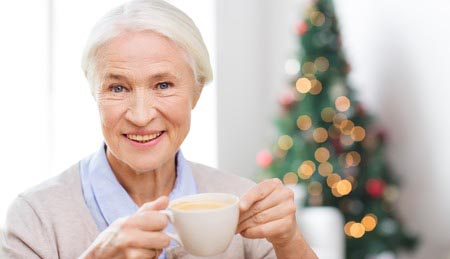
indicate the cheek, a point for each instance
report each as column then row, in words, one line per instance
column 109, row 114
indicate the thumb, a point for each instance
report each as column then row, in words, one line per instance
column 159, row 204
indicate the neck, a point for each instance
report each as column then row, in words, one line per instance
column 144, row 186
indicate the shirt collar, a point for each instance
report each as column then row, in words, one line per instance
column 113, row 200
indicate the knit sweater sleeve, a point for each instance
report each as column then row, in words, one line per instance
column 25, row 235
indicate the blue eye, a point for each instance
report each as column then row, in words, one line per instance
column 163, row 85
column 117, row 88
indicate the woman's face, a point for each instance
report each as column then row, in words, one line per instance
column 145, row 96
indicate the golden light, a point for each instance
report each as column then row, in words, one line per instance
column 347, row 127
column 352, row 158
column 369, row 222
column 322, row 64
column 338, row 119
column 347, row 227
column 357, row 230
column 334, row 132
column 325, row 169
column 332, row 179
column 306, row 169
column 343, row 187
column 290, row 178
column 304, row 122
column 327, row 114
column 316, row 87
column 285, row 142
column 309, row 68
column 315, row 188
column 358, row 133
column 334, row 191
column 342, row 103
column 320, row 135
column 303, row 85
column 317, row 18
column 322, row 154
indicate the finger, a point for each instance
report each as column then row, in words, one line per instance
column 146, row 221
column 258, row 193
column 278, row 196
column 280, row 211
column 282, row 227
column 138, row 253
column 159, row 204
column 145, row 240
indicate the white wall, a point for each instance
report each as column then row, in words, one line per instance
column 400, row 58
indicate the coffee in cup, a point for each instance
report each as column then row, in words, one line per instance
column 204, row 223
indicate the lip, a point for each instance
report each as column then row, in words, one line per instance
column 148, row 144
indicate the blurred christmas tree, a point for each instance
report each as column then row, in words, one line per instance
column 330, row 144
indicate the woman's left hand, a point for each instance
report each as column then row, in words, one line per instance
column 268, row 211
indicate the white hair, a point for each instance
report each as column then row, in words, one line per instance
column 149, row 15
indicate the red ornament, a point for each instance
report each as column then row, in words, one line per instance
column 264, row 158
column 375, row 187
column 302, row 27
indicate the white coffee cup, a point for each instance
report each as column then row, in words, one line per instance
column 204, row 231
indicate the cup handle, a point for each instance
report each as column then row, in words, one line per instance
column 171, row 218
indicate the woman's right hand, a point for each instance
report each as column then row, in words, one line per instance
column 137, row 236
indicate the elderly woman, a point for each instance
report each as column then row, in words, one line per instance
column 147, row 64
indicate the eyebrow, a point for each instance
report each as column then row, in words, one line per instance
column 157, row 76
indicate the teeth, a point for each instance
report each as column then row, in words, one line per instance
column 143, row 138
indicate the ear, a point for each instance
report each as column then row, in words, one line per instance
column 197, row 92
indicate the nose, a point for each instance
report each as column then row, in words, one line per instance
column 141, row 110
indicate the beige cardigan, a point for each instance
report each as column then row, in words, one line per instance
column 52, row 221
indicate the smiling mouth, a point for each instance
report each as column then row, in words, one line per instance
column 143, row 138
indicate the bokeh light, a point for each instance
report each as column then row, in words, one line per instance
column 391, row 193
column 352, row 158
column 316, row 87
column 306, row 169
column 285, row 142
column 342, row 103
column 309, row 68
column 290, row 178
column 304, row 122
column 369, row 222
column 322, row 154
column 327, row 114
column 347, row 227
column 317, row 18
column 292, row 67
column 338, row 119
column 303, row 85
column 342, row 187
column 358, row 133
column 334, row 132
column 346, row 140
column 322, row 64
column 346, row 127
column 320, row 135
column 325, row 168
column 332, row 179
column 357, row 230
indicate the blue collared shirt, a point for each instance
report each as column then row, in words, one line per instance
column 106, row 198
